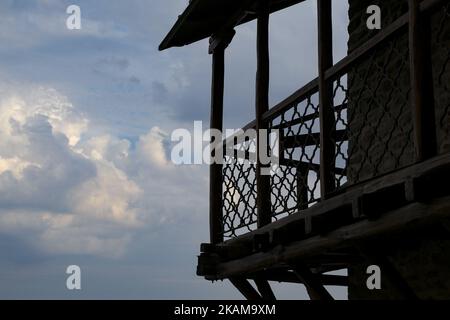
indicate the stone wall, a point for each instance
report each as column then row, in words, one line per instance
column 381, row 139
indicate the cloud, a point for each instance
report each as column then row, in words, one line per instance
column 71, row 191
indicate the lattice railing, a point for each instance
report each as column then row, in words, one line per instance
column 373, row 129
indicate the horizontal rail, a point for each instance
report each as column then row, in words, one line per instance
column 229, row 140
column 417, row 185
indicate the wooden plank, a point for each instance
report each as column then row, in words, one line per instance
column 265, row 290
column 422, row 97
column 327, row 117
column 246, row 289
column 262, row 106
column 315, row 288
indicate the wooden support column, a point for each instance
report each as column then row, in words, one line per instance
column 326, row 109
column 218, row 44
column 265, row 290
column 422, row 97
column 262, row 106
column 315, row 288
column 246, row 289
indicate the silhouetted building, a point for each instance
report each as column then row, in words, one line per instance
column 364, row 163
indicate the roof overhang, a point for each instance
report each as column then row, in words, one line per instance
column 203, row 18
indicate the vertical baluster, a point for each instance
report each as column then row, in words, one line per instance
column 217, row 48
column 327, row 117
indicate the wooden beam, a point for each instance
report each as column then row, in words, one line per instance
column 327, row 117
column 217, row 90
column 246, row 289
column 262, row 106
column 422, row 98
column 315, row 288
column 265, row 290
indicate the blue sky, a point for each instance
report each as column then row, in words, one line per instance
column 85, row 121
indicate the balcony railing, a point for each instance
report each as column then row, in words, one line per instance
column 382, row 118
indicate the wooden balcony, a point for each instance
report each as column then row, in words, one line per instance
column 317, row 212
column 359, row 170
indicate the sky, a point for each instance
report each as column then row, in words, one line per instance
column 85, row 123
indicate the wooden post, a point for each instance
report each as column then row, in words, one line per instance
column 422, row 98
column 217, row 48
column 262, row 106
column 302, row 187
column 327, row 117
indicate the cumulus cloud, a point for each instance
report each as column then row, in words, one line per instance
column 71, row 191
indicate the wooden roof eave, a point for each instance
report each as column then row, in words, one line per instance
column 192, row 27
